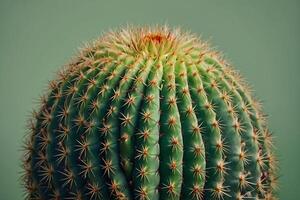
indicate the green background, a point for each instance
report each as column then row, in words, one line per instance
column 260, row 37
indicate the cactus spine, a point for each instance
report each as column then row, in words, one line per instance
column 148, row 114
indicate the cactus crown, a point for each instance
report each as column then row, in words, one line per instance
column 158, row 41
column 149, row 113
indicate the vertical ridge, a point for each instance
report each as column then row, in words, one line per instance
column 211, row 134
column 170, row 140
column 193, row 147
column 147, row 138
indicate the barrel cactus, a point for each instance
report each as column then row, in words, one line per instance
column 149, row 113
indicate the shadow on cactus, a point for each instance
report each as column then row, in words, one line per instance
column 149, row 113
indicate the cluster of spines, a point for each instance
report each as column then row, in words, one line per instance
column 156, row 125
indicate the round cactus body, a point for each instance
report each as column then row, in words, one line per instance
column 148, row 114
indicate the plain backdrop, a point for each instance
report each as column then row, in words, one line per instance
column 259, row 37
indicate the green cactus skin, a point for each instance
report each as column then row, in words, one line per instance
column 149, row 114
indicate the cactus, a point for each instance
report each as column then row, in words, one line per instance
column 147, row 114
